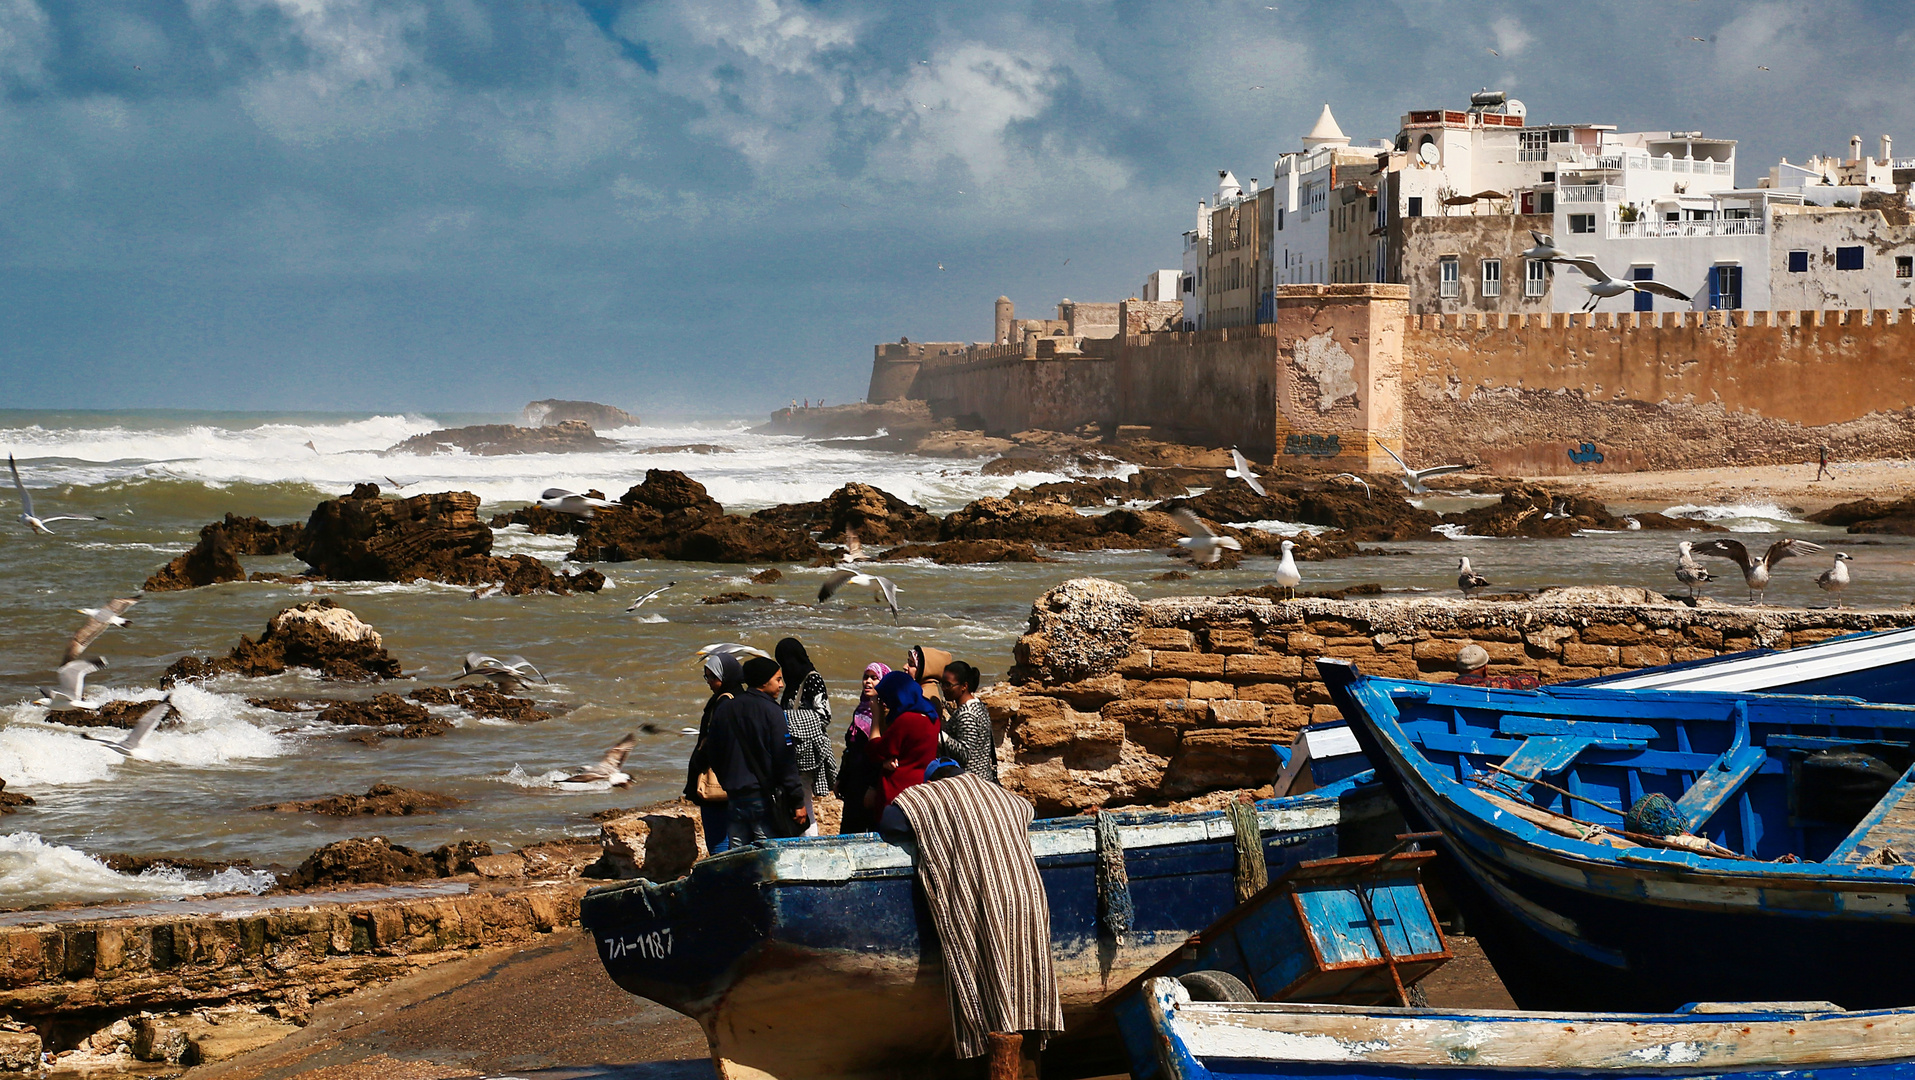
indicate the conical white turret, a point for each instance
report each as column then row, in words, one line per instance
column 1326, row 133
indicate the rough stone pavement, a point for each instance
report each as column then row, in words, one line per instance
column 545, row 1011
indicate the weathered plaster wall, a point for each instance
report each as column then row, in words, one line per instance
column 1115, row 701
column 1817, row 233
column 1422, row 242
column 1670, row 390
column 1009, row 391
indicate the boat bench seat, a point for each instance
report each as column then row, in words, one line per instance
column 1890, row 825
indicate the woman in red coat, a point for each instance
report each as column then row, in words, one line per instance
column 904, row 737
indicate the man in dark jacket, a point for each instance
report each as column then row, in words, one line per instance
column 751, row 752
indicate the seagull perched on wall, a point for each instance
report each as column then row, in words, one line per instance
column 1756, row 572
column 1601, row 286
column 1467, row 579
column 1688, row 571
column 1413, row 478
column 1835, row 578
column 1288, row 576
column 1242, row 471
column 27, row 516
column 1204, row 545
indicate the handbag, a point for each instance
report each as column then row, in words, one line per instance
column 709, row 789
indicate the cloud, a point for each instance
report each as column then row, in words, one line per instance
column 336, row 69
column 26, row 43
column 1511, row 38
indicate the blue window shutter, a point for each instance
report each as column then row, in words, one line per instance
column 1715, row 288
column 1644, row 301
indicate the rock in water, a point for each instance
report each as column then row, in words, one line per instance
column 212, row 560
column 361, row 861
column 318, row 634
column 566, row 437
column 551, row 411
column 363, row 537
column 670, row 516
column 380, row 800
column 876, row 515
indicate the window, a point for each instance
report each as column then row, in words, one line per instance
column 1798, row 262
column 1725, row 288
column 1535, row 277
column 1905, row 266
column 1545, row 202
column 1644, row 301
column 1582, row 223
column 1549, row 178
column 1451, row 280
column 1492, row 277
column 1848, row 258
column 1416, row 207
column 1535, row 146
column 1279, row 219
column 1558, row 134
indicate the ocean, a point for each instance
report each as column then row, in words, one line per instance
column 156, row 477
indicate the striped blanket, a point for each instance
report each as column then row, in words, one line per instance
column 993, row 921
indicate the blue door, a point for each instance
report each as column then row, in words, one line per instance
column 1644, row 301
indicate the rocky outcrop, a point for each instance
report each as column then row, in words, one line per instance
column 1380, row 514
column 1116, row 701
column 961, row 552
column 877, row 516
column 252, row 536
column 1537, row 511
column 552, row 411
column 1056, row 525
column 482, row 701
column 12, row 800
column 660, row 845
column 670, row 516
column 211, row 561
column 376, row 860
column 318, row 634
column 380, row 800
column 1104, row 490
column 855, row 419
column 1871, row 516
column 437, row 537
column 565, row 437
column 388, row 716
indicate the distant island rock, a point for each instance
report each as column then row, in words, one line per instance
column 564, row 437
column 552, row 412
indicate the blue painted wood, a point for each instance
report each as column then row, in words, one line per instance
column 1585, row 729
column 1571, row 923
column 1538, row 757
column 1858, row 844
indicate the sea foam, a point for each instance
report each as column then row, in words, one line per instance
column 33, row 871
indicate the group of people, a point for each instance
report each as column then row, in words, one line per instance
column 764, row 750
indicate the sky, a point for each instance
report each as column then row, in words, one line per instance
column 710, row 207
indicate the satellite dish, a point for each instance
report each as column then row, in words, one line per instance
column 1429, row 153
column 1515, row 108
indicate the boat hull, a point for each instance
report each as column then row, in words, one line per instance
column 818, row 958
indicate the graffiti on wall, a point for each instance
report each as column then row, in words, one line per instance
column 1317, row 446
column 1586, row 454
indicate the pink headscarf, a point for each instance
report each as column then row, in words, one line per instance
column 861, row 716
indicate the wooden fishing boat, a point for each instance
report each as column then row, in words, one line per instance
column 817, row 957
column 1784, row 874
column 1198, row 1040
column 1875, row 666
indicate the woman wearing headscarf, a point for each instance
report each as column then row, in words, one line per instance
column 966, row 736
column 725, row 678
column 904, row 738
column 807, row 715
column 927, row 667
column 857, row 773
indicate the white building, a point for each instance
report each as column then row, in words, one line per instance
column 1305, row 219
column 1161, row 285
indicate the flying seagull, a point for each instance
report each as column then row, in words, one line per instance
column 1836, row 578
column 882, row 588
column 640, row 602
column 1688, row 571
column 70, row 684
column 1756, row 572
column 141, row 729
column 1204, row 545
column 1356, row 479
column 1467, row 579
column 607, row 768
column 507, row 673
column 571, row 502
column 853, row 547
column 1242, row 471
column 732, row 649
column 27, row 517
column 1413, row 478
column 1288, row 576
column 1545, row 249
column 1601, row 286
column 98, row 621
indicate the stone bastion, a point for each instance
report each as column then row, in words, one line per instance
column 1117, row 701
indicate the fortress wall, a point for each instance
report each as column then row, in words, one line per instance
column 1013, row 392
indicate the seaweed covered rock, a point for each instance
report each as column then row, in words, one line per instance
column 564, row 437
column 482, row 701
column 1871, row 516
column 963, row 552
column 388, row 715
column 318, row 634
column 1537, row 511
column 876, row 515
column 374, row 860
column 380, row 800
column 670, row 516
column 438, row 537
column 211, row 561
column 1382, row 513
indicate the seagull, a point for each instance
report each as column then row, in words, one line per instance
column 1756, row 573
column 1545, row 249
column 1467, row 579
column 1493, row 52
column 1632, row 524
column 1287, row 574
column 141, row 729
column 1357, row 479
column 1204, row 545
column 607, row 768
column 98, row 621
column 571, row 502
column 882, row 588
column 507, row 673
column 487, row 592
column 1836, row 578
column 640, row 602
column 731, row 648
column 71, row 684
column 1601, row 286
column 853, row 547
column 1242, row 471
column 1413, row 478
column 310, row 446
column 1687, row 570
column 27, row 518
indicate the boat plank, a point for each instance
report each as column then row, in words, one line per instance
column 1591, row 729
column 1541, row 755
column 1891, row 824
column 1719, row 783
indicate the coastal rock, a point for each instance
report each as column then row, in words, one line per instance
column 252, row 536
column 384, row 713
column 1078, row 630
column 1106, row 490
column 962, row 552
column 318, row 634
column 204, row 1037
column 488, row 440
column 737, row 598
column 438, row 537
column 1059, row 526
column 670, row 516
column 211, row 561
column 120, row 713
column 370, row 860
column 482, row 701
column 854, row 419
column 1537, row 511
column 1871, row 516
column 1384, row 514
column 552, row 411
column 660, row 846
column 380, row 800
column 12, row 800
column 877, row 516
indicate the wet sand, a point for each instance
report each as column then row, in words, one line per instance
column 1785, row 485
column 547, row 1012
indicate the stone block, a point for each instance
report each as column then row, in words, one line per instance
column 1230, row 641
column 1324, row 714
column 218, row 1036
column 1312, row 693
column 1237, row 713
column 1210, row 759
column 1135, row 666
column 1438, row 650
column 1641, row 656
column 1161, row 688
column 20, row 1052
column 1505, row 652
column 1811, row 635
column 1590, row 655
column 1361, row 654
column 1611, row 634
column 1350, row 641
column 1167, row 638
column 1090, row 693
column 1272, row 693
column 1047, row 723
column 1548, row 639
column 1482, row 635
column 1301, row 643
column 1737, row 644
column 1706, row 636
column 1570, row 674
column 1683, row 656
column 1185, row 665
column 1244, row 666
column 1212, row 690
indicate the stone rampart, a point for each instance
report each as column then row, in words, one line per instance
column 1116, row 701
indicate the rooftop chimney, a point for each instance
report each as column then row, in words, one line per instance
column 1855, row 148
column 1888, row 145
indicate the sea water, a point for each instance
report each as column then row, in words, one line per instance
column 157, row 477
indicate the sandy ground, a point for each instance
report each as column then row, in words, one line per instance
column 1784, row 485
column 547, row 1012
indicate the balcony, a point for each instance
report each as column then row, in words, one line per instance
column 1754, row 226
column 1588, row 193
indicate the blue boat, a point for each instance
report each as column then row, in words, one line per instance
column 1200, row 1040
column 1783, row 877
column 817, row 957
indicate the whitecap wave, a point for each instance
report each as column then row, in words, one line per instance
column 33, row 871
column 1272, row 525
column 210, row 730
column 1737, row 517
column 1457, row 532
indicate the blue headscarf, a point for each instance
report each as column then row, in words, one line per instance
column 901, row 694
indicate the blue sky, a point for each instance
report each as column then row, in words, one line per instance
column 713, row 206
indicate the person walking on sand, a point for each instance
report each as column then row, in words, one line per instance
column 1822, row 470
column 751, row 751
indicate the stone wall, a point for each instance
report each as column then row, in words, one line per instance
column 1115, row 701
